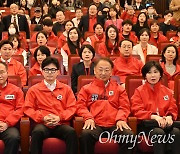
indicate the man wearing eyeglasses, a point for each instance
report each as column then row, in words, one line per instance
column 51, row 105
column 105, row 107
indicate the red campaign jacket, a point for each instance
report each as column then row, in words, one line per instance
column 132, row 37
column 171, row 78
column 147, row 101
column 105, row 105
column 67, row 50
column 126, row 16
column 94, row 39
column 40, row 101
column 61, row 41
column 35, row 70
column 127, row 66
column 52, row 37
column 102, row 50
column 155, row 42
column 16, row 68
column 11, row 104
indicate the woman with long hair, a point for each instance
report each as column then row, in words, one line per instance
column 110, row 46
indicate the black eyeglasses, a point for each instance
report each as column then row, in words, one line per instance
column 50, row 70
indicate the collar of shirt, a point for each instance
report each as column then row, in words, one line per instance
column 9, row 60
column 52, row 86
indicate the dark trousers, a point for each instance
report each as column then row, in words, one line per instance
column 11, row 139
column 89, row 137
column 64, row 132
column 159, row 147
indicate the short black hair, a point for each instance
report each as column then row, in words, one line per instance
column 46, row 15
column 68, row 21
column 47, row 22
column 50, row 60
column 3, row 63
column 104, row 59
column 146, row 68
column 120, row 43
column 42, row 32
column 3, row 42
column 127, row 22
column 164, row 50
column 44, row 50
column 86, row 46
column 96, row 24
column 11, row 39
column 167, row 12
column 154, row 22
column 142, row 31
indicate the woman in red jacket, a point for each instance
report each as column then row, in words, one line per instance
column 110, row 46
column 155, row 102
column 169, row 64
column 41, row 53
column 156, row 37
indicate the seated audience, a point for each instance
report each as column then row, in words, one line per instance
column 1, row 26
column 126, row 64
column 17, row 50
column 51, row 105
column 72, row 46
column 110, row 46
column 41, row 53
column 63, row 38
column 126, row 32
column 45, row 8
column 138, row 5
column 98, row 35
column 151, row 13
column 166, row 25
column 156, row 37
column 104, row 106
column 176, row 40
column 78, row 15
column 143, row 48
column 55, row 7
column 37, row 19
column 12, row 102
column 155, row 102
column 86, row 67
column 14, row 67
column 169, row 64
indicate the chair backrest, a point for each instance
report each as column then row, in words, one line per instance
column 161, row 46
column 32, row 45
column 72, row 59
column 113, row 57
column 170, row 34
column 14, row 79
column 21, row 33
column 36, row 79
column 153, row 57
column 177, row 93
column 19, row 58
column 52, row 44
column 32, row 61
column 87, row 34
column 132, row 82
column 86, row 79
column 96, row 46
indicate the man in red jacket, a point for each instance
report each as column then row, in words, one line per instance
column 11, row 103
column 105, row 107
column 51, row 105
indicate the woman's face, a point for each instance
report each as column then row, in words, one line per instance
column 112, row 33
column 98, row 30
column 40, row 57
column 23, row 2
column 15, row 43
column 153, row 76
column 170, row 53
column 68, row 26
column 144, row 37
column 45, row 7
column 154, row 28
column 87, row 55
column 142, row 18
column 112, row 13
column 41, row 39
column 73, row 35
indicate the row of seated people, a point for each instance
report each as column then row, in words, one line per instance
column 51, row 105
column 125, row 64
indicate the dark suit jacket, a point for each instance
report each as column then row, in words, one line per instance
column 84, row 23
column 77, row 70
column 22, row 21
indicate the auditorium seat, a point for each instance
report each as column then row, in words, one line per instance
column 153, row 57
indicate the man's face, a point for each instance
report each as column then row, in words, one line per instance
column 168, row 17
column 50, row 73
column 6, row 51
column 47, row 29
column 103, row 70
column 126, row 48
column 92, row 10
column 60, row 17
column 3, row 74
column 127, row 27
column 37, row 14
column 14, row 9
